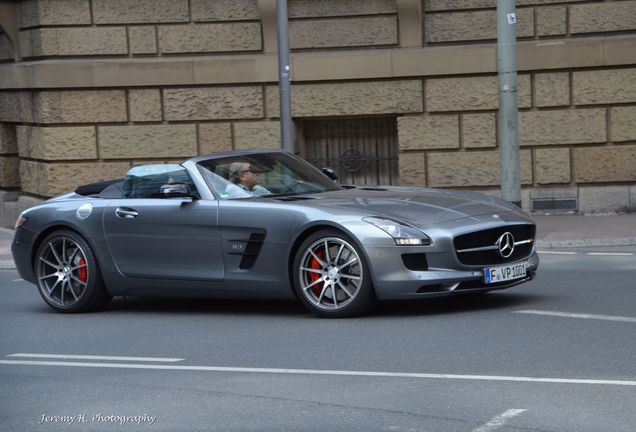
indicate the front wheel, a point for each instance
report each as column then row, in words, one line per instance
column 68, row 277
column 331, row 276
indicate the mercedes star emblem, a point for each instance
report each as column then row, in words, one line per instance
column 506, row 244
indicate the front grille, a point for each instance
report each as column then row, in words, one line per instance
column 415, row 261
column 488, row 238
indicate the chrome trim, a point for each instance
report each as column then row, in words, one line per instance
column 493, row 247
column 524, row 242
column 477, row 249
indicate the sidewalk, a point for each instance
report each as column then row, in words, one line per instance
column 562, row 231
column 6, row 260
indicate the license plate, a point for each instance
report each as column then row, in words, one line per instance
column 505, row 273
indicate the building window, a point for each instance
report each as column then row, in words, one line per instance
column 362, row 151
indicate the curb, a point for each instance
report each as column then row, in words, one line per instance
column 7, row 265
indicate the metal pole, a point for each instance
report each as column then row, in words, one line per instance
column 284, row 78
column 508, row 130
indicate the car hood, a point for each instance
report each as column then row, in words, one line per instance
column 417, row 206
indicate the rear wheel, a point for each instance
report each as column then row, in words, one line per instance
column 331, row 276
column 68, row 277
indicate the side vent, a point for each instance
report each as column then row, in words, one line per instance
column 250, row 251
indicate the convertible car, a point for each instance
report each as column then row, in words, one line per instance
column 193, row 229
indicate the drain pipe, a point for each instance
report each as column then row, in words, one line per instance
column 284, row 77
column 508, row 110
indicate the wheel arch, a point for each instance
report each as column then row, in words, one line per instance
column 58, row 227
column 311, row 229
column 95, row 295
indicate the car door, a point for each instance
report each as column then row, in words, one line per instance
column 163, row 238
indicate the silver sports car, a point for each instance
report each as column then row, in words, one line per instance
column 267, row 224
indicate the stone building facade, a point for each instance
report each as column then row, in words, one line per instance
column 90, row 87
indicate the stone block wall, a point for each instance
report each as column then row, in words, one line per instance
column 105, row 84
column 466, row 21
column 157, row 28
column 60, row 139
column 129, row 28
column 570, row 132
column 575, row 128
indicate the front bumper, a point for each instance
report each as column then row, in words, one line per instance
column 21, row 249
column 392, row 280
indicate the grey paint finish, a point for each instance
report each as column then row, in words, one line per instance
column 167, row 239
column 191, row 247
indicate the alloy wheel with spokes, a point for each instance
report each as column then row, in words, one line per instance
column 330, row 276
column 67, row 275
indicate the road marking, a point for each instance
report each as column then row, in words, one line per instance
column 578, row 315
column 18, row 280
column 586, row 253
column 610, row 253
column 557, row 253
column 499, row 420
column 280, row 371
column 93, row 357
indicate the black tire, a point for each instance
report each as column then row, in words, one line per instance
column 67, row 274
column 331, row 276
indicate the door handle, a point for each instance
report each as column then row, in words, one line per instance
column 127, row 213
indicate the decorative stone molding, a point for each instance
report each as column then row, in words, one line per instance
column 350, row 65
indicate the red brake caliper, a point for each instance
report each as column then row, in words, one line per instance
column 313, row 277
column 81, row 272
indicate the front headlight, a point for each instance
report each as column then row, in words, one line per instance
column 403, row 233
column 20, row 221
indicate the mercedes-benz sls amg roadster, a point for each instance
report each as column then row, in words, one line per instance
column 267, row 224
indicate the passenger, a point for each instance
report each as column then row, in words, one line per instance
column 244, row 182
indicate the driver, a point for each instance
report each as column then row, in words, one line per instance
column 244, row 182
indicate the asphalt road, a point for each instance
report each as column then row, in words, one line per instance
column 556, row 354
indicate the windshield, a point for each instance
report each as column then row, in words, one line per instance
column 263, row 175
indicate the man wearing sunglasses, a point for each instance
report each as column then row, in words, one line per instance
column 244, row 182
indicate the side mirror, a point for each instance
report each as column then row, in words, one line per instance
column 331, row 173
column 175, row 190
